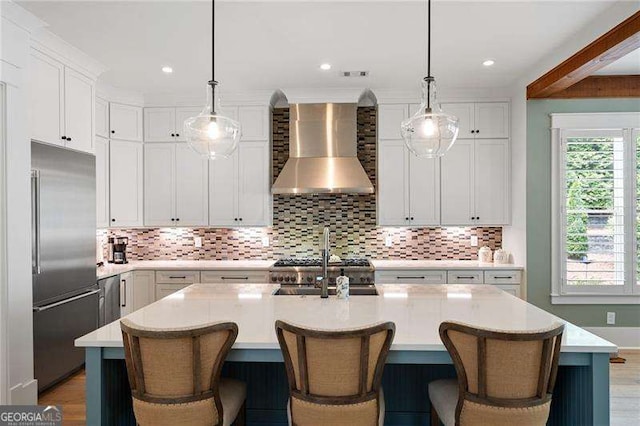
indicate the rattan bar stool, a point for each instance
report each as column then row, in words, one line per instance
column 335, row 376
column 504, row 378
column 175, row 375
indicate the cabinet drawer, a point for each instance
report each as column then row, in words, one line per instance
column 465, row 277
column 177, row 277
column 411, row 277
column 502, row 277
column 235, row 276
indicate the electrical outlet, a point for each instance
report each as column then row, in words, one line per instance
column 197, row 241
column 474, row 241
column 611, row 318
column 265, row 241
column 388, row 241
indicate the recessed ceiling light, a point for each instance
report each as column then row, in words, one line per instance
column 488, row 62
column 325, row 67
column 167, row 70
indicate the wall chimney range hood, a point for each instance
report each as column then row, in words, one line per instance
column 323, row 152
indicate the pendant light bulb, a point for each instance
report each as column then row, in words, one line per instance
column 212, row 130
column 430, row 132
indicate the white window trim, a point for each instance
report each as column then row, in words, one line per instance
column 629, row 124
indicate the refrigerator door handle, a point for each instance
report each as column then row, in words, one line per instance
column 63, row 302
column 35, row 222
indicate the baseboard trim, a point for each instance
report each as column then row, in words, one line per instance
column 25, row 393
column 623, row 337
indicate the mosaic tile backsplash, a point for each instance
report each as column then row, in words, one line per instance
column 298, row 221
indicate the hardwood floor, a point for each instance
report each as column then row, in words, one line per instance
column 625, row 394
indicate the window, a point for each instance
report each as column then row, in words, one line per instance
column 596, row 229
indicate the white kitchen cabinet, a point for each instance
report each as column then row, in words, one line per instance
column 102, row 182
column 404, row 276
column 126, row 183
column 408, row 187
column 390, row 117
column 234, row 277
column 166, row 124
column 125, row 122
column 239, row 193
column 475, row 183
column 177, row 277
column 126, row 293
column 102, row 118
column 255, row 122
column 164, row 290
column 175, row 185
column 480, row 120
column 503, row 276
column 61, row 104
column 142, row 292
column 465, row 277
column 513, row 290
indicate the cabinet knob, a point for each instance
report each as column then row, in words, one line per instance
column 406, row 218
column 177, row 135
column 240, row 219
column 177, row 219
column 473, row 131
column 411, row 217
column 68, row 138
column 113, row 131
column 173, row 134
column 64, row 138
column 113, row 220
column 477, row 131
column 235, row 218
column 172, row 219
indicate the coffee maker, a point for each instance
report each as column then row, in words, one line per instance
column 120, row 249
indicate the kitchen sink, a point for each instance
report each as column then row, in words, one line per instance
column 313, row 291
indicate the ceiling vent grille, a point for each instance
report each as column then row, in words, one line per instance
column 355, row 73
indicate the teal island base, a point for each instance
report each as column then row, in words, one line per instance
column 581, row 396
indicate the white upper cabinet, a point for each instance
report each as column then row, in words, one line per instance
column 102, row 182
column 61, row 104
column 389, row 119
column 239, row 193
column 175, row 186
column 102, row 118
column 457, row 184
column 159, row 124
column 46, row 99
column 126, row 183
column 125, row 122
column 393, row 197
column 424, row 191
column 255, row 122
column 481, row 120
column 182, row 113
column 492, row 182
column 78, row 102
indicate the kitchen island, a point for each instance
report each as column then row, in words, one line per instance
column 417, row 355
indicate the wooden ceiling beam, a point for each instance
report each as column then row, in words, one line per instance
column 602, row 86
column 608, row 48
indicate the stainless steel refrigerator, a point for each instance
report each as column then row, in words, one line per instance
column 65, row 292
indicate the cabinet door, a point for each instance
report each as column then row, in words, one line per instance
column 492, row 182
column 424, row 191
column 457, row 184
column 255, row 122
column 192, row 187
column 159, row 124
column 126, row 183
column 143, row 289
column 390, row 117
column 223, row 191
column 46, row 99
column 102, row 118
column 79, row 105
column 182, row 114
column 125, row 122
column 159, row 184
column 393, row 183
column 465, row 113
column 102, row 182
column 164, row 290
column 513, row 290
column 253, row 184
column 492, row 120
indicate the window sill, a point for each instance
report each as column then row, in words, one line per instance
column 595, row 299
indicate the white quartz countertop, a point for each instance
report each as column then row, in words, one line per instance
column 417, row 311
column 111, row 269
column 381, row 265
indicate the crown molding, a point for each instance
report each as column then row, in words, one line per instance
column 115, row 94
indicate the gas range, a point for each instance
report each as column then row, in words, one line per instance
column 305, row 271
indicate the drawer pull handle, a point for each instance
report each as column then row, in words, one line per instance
column 176, row 277
column 235, row 278
column 410, row 278
column 497, row 277
column 466, row 277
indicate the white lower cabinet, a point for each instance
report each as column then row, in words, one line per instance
column 126, row 293
column 465, row 277
column 164, row 290
column 137, row 290
column 125, row 183
column 239, row 192
column 411, row 277
column 511, row 289
column 234, row 277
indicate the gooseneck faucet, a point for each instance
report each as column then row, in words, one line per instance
column 325, row 263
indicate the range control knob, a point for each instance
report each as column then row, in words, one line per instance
column 309, row 279
column 274, row 278
column 280, row 278
column 286, row 279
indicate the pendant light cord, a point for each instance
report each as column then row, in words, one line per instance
column 213, row 83
column 429, row 78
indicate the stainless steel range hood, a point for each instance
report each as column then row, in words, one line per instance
column 323, row 152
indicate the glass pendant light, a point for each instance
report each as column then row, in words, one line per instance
column 211, row 133
column 430, row 132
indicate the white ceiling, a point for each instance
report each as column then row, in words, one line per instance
column 270, row 45
column 627, row 65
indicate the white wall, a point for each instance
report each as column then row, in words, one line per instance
column 16, row 307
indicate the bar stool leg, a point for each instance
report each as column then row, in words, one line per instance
column 435, row 420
